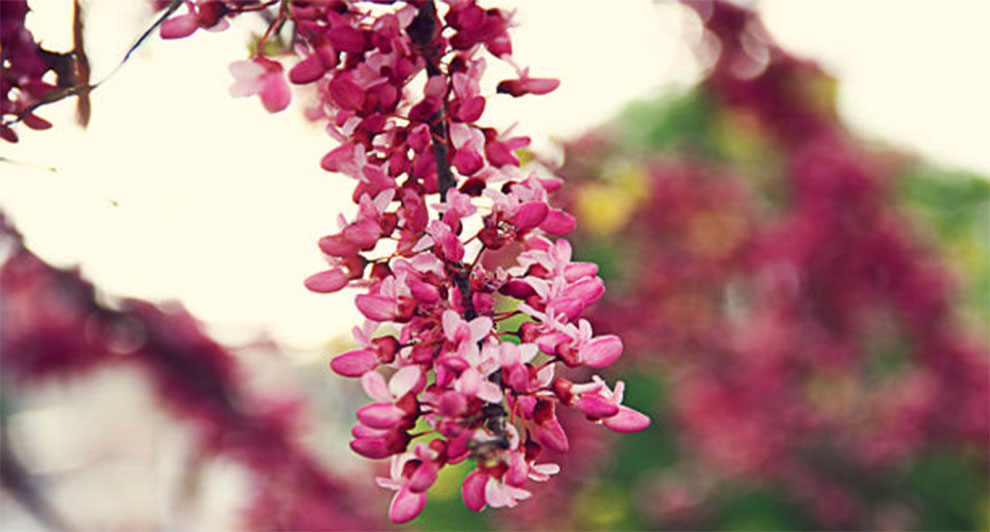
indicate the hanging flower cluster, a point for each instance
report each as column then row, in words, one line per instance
column 400, row 87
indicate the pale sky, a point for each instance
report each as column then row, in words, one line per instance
column 177, row 190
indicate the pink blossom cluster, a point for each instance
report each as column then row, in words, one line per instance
column 400, row 85
column 24, row 65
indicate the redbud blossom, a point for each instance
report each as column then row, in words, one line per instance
column 399, row 88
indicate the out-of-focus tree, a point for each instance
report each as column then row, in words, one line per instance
column 810, row 309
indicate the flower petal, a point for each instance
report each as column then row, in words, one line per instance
column 179, row 27
column 406, row 505
column 275, row 92
column 374, row 385
column 601, row 351
column 627, row 420
column 327, row 282
column 380, row 415
column 404, row 380
column 596, row 406
column 354, row 363
column 473, row 490
column 375, row 308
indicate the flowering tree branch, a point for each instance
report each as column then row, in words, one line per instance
column 399, row 86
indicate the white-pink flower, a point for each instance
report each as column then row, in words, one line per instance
column 263, row 77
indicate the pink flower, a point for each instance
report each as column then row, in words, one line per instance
column 597, row 401
column 263, row 77
column 411, row 474
column 501, row 495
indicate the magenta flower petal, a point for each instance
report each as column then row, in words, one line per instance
column 335, row 160
column 596, row 406
column 601, row 351
column 407, row 378
column 360, row 431
column 406, row 505
column 179, row 27
column 500, row 155
column 376, row 308
column 588, row 290
column 579, row 270
column 569, row 307
column 519, row 87
column 552, row 436
column 348, row 39
column 337, row 246
column 327, row 282
column 473, row 491
column 380, row 415
column 308, row 70
column 347, row 94
column 529, row 215
column 423, row 478
column 471, row 109
column 627, row 420
column 354, row 363
column 363, row 234
column 374, row 448
column 558, row 222
column 275, row 93
column 374, row 385
column 467, row 161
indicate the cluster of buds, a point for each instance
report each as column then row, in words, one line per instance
column 438, row 197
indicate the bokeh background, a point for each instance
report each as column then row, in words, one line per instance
column 805, row 306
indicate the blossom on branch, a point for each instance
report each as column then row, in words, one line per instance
column 438, row 193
